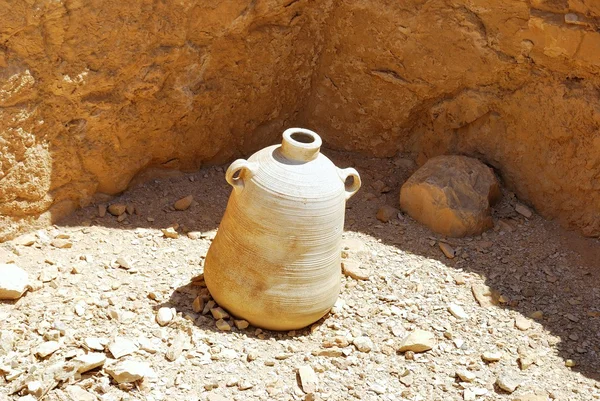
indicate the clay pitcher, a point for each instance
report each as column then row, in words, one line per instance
column 275, row 260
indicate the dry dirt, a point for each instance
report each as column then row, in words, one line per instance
column 531, row 263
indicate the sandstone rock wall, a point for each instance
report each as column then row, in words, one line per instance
column 92, row 92
column 513, row 82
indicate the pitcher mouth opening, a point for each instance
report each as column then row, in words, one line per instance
column 301, row 144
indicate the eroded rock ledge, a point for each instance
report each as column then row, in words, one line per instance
column 92, row 94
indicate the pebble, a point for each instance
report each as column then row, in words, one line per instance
column 219, row 313
column 351, row 268
column 241, row 324
column 457, row 311
column 465, row 375
column 308, row 379
column 183, row 203
column 223, row 325
column 245, row 385
column 523, row 210
column 522, row 323
column 447, row 250
column 90, row 361
column 418, row 341
column 102, row 208
column 386, row 213
column 117, row 209
column 121, row 346
column 363, row 344
column 164, row 316
column 25, row 240
column 484, row 295
column 47, row 348
column 123, row 262
column 129, row 371
column 491, row 356
column 61, row 243
column 508, row 382
column 94, row 343
column 570, row 363
column 14, row 281
column 35, row 388
column 198, row 305
column 170, row 233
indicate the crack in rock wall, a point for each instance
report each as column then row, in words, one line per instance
column 92, row 93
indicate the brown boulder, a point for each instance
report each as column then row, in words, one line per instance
column 451, row 195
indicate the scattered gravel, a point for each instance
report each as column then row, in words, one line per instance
column 123, row 313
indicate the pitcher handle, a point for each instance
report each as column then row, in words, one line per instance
column 354, row 186
column 245, row 169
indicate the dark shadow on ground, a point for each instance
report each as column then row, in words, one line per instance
column 182, row 298
column 536, row 267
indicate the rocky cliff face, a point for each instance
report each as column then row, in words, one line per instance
column 93, row 92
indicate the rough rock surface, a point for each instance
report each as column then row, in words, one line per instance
column 93, row 93
column 452, row 195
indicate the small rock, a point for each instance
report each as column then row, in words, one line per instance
column 523, row 210
column 129, row 371
column 219, row 313
column 447, row 250
column 170, row 233
column 130, row 209
column 569, row 363
column 47, row 348
column 457, row 311
column 245, row 385
column 465, row 375
column 386, row 213
column 508, row 382
column 194, row 235
column 484, row 295
column 198, row 305
column 223, row 325
column 308, row 379
column 79, row 394
column 123, row 262
column 183, row 203
column 25, row 240
column 363, row 344
column 117, row 209
column 351, row 268
column 35, row 388
column 491, row 356
column 522, row 323
column 94, row 343
column 121, row 346
column 61, row 243
column 90, row 361
column 252, row 355
column 102, row 208
column 418, row 341
column 14, row 281
column 241, row 324
column 164, row 316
